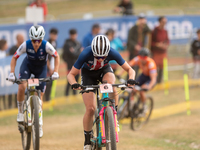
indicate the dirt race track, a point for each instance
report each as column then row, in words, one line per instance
column 177, row 132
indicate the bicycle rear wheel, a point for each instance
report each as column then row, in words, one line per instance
column 122, row 107
column 25, row 134
column 138, row 118
column 110, row 130
column 35, row 122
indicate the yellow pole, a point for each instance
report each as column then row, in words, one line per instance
column 187, row 95
column 53, row 93
column 165, row 75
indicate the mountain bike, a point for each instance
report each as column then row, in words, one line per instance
column 105, row 129
column 31, row 107
column 134, row 109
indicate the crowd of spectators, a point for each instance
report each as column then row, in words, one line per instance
column 139, row 36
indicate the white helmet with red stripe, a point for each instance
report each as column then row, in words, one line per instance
column 36, row 32
column 100, row 46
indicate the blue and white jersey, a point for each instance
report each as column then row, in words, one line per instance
column 39, row 57
column 87, row 60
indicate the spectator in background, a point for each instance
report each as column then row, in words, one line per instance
column 138, row 37
column 71, row 50
column 195, row 50
column 20, row 40
column 159, row 45
column 116, row 44
column 89, row 37
column 53, row 35
column 13, row 49
column 42, row 4
column 125, row 7
column 3, row 48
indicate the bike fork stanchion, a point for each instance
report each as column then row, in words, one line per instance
column 102, row 127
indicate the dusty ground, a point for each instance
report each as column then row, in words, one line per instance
column 63, row 131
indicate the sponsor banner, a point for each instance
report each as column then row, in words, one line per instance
column 179, row 28
column 7, row 87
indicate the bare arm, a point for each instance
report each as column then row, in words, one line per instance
column 56, row 63
column 153, row 80
column 13, row 64
column 129, row 70
column 71, row 76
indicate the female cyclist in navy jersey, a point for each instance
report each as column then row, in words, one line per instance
column 94, row 64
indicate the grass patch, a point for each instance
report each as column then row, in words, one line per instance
column 58, row 7
column 66, row 110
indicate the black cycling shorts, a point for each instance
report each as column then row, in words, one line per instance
column 93, row 77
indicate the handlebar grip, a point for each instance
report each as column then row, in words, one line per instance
column 132, row 82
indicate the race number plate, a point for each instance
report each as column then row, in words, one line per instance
column 106, row 88
column 33, row 82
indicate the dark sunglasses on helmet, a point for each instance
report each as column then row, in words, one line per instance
column 104, row 57
column 34, row 41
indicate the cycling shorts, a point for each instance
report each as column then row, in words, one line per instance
column 26, row 69
column 93, row 77
column 143, row 79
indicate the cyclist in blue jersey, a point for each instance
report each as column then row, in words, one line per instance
column 94, row 64
column 35, row 62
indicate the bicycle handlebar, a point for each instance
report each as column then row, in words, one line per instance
column 20, row 81
column 136, row 87
column 88, row 88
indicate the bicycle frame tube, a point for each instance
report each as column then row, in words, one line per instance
column 102, row 137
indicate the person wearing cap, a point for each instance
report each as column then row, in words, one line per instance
column 159, row 45
column 138, row 37
column 195, row 51
column 89, row 37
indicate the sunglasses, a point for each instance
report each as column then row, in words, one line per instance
column 143, row 57
column 34, row 41
column 104, row 57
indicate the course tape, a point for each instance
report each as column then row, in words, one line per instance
column 165, row 111
column 169, row 110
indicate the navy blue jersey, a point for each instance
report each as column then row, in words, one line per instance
column 86, row 59
column 39, row 57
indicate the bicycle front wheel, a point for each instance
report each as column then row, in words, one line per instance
column 110, row 130
column 35, row 122
column 25, row 133
column 140, row 117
